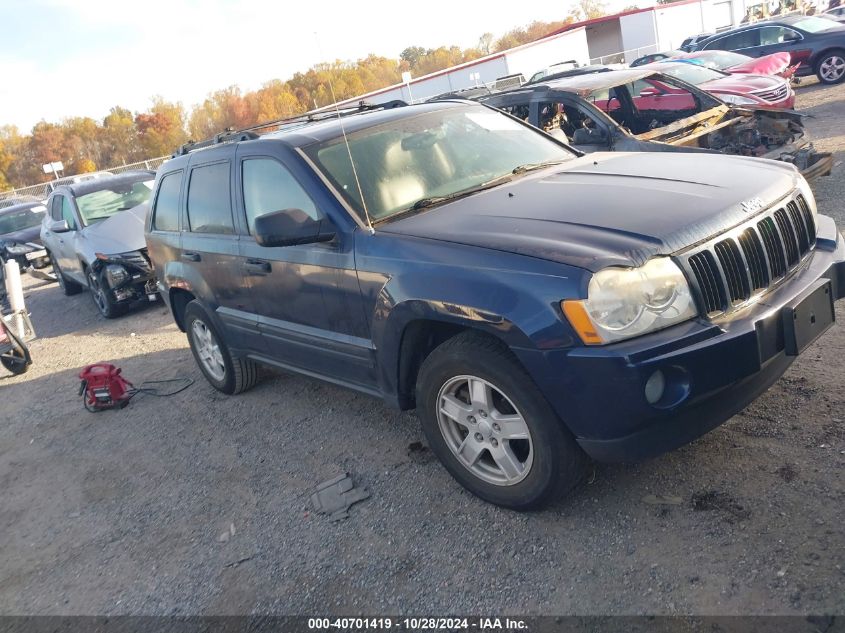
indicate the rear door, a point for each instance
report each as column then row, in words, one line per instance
column 307, row 296
column 210, row 246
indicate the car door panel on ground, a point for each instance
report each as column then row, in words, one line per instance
column 210, row 245
column 307, row 296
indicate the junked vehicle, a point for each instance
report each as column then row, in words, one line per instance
column 735, row 63
column 642, row 110
column 20, row 228
column 94, row 235
column 534, row 304
column 760, row 91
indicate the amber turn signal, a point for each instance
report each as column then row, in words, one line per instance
column 580, row 321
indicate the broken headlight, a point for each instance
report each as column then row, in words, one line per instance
column 625, row 302
column 116, row 275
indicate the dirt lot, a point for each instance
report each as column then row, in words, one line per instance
column 123, row 512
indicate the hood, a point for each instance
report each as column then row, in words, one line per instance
column 742, row 84
column 121, row 233
column 607, row 209
column 773, row 64
column 32, row 234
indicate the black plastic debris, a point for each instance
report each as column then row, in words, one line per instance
column 335, row 496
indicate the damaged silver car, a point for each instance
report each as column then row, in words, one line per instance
column 94, row 235
column 638, row 110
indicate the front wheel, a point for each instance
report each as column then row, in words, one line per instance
column 830, row 69
column 225, row 373
column 491, row 427
column 103, row 297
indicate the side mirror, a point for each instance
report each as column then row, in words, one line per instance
column 58, row 226
column 289, row 227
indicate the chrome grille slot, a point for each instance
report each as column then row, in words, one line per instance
column 774, row 247
column 753, row 257
column 706, row 272
column 787, row 233
column 729, row 257
column 752, row 248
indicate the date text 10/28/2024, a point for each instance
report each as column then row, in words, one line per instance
column 418, row 624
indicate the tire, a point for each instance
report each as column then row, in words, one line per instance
column 102, row 298
column 830, row 68
column 16, row 365
column 223, row 371
column 68, row 287
column 544, row 465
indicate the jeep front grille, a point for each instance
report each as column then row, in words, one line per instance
column 752, row 258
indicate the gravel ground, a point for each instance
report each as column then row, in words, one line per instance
column 124, row 512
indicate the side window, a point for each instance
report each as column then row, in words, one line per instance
column 209, row 202
column 744, row 39
column 269, row 186
column 67, row 213
column 166, row 212
column 776, row 35
column 519, row 110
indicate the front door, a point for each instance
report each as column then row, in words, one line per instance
column 306, row 296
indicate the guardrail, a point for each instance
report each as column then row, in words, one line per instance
column 41, row 191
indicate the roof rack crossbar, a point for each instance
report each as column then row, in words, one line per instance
column 230, row 135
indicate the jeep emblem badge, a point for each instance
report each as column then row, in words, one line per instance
column 754, row 204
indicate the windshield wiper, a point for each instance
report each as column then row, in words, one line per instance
column 521, row 169
column 423, row 203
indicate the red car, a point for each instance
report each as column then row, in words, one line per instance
column 730, row 62
column 761, row 91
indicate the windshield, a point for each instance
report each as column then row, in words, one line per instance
column 719, row 59
column 812, row 24
column 691, row 73
column 406, row 163
column 103, row 204
column 20, row 220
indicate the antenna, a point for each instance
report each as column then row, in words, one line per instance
column 346, row 141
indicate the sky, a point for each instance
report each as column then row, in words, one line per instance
column 64, row 58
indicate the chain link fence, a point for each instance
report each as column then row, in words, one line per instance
column 41, row 191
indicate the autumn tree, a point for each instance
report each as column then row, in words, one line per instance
column 162, row 129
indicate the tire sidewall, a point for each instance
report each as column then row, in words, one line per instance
column 193, row 312
column 110, row 310
column 548, row 437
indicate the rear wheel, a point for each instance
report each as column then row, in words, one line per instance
column 830, row 69
column 492, row 428
column 68, row 287
column 225, row 373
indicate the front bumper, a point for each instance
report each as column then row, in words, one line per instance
column 713, row 370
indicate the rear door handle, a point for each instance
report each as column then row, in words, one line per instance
column 257, row 267
column 191, row 257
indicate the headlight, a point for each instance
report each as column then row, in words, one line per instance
column 116, row 275
column 626, row 302
column 735, row 99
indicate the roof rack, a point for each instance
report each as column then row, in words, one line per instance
column 230, row 135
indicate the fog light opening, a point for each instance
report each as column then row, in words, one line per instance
column 654, row 387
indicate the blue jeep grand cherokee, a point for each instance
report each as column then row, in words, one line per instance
column 535, row 305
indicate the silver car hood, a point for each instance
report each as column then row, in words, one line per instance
column 121, row 233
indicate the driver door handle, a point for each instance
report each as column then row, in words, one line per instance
column 191, row 257
column 257, row 267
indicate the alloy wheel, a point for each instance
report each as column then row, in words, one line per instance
column 832, row 68
column 484, row 430
column 98, row 293
column 208, row 350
